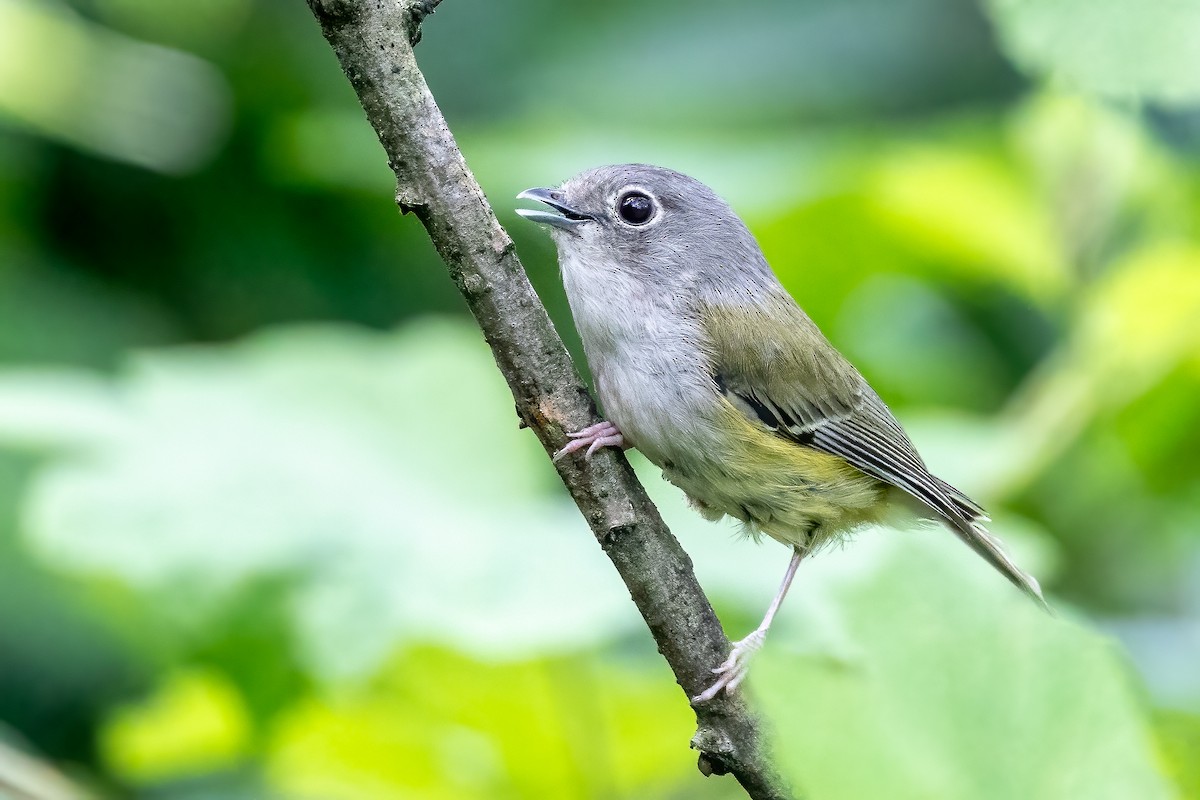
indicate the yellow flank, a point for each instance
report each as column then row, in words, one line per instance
column 792, row 493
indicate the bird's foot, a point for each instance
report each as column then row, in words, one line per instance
column 593, row 437
column 734, row 669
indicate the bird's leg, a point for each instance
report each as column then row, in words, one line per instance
column 593, row 437
column 733, row 670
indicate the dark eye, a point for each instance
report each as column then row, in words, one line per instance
column 635, row 208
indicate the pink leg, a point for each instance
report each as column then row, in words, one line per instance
column 593, row 437
column 733, row 671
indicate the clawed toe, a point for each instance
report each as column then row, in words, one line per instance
column 733, row 670
column 593, row 437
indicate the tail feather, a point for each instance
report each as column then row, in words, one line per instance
column 966, row 506
column 979, row 539
column 966, row 518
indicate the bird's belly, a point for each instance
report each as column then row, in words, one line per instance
column 789, row 505
column 731, row 466
column 792, row 493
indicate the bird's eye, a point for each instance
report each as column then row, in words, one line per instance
column 635, row 208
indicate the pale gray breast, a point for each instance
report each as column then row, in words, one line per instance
column 649, row 368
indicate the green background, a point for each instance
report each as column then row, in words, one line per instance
column 268, row 528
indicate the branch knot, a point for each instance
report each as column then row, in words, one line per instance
column 335, row 10
column 416, row 12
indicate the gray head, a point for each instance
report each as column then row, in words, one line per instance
column 646, row 221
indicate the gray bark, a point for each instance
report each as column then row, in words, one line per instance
column 373, row 41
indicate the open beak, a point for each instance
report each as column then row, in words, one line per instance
column 563, row 216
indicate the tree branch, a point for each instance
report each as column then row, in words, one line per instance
column 373, row 42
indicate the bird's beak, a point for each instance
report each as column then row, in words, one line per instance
column 563, row 216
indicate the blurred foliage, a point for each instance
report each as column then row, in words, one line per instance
column 268, row 528
column 195, row 723
column 971, row 665
column 1119, row 48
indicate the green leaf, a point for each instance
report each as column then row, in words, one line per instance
column 385, row 474
column 950, row 684
column 107, row 94
column 195, row 723
column 1141, row 319
column 57, row 409
column 972, row 212
column 438, row 725
column 1179, row 733
column 1120, row 48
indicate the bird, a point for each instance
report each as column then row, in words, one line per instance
column 705, row 363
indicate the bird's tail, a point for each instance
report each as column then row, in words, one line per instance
column 979, row 539
column 966, row 518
